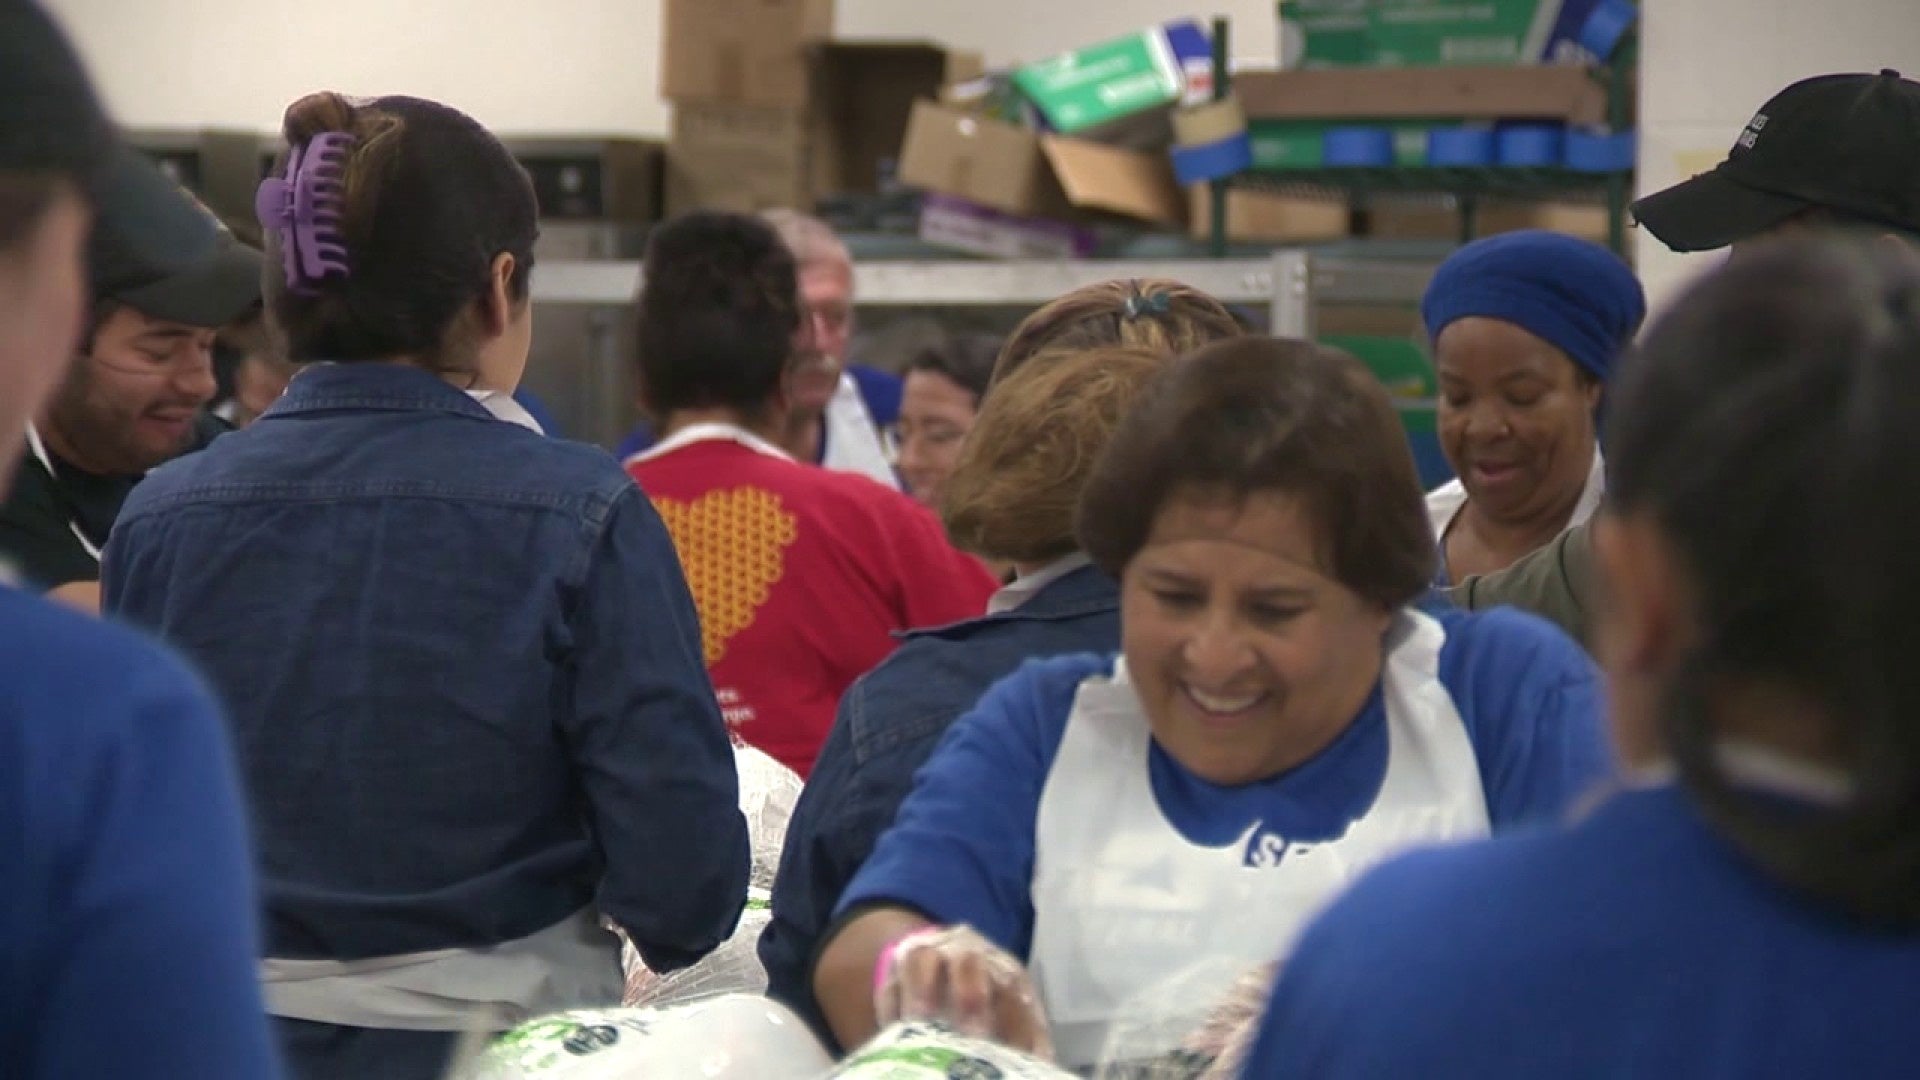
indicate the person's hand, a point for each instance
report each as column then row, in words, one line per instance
column 953, row 975
column 79, row 595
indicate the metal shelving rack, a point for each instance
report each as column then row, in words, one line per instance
column 1289, row 284
column 1467, row 187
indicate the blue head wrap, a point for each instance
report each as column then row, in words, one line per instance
column 1576, row 296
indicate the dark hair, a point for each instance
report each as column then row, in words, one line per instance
column 431, row 200
column 1767, row 428
column 1270, row 415
column 24, row 199
column 1152, row 313
column 1013, row 493
column 965, row 359
column 719, row 308
column 1830, row 217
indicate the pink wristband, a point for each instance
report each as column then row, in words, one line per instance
column 883, row 964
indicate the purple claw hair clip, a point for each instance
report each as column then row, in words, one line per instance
column 305, row 208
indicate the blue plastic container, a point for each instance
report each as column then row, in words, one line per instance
column 1357, row 147
column 1214, row 160
column 1460, row 147
column 1530, row 146
column 1599, row 153
column 1606, row 27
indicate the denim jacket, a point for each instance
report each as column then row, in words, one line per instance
column 463, row 671
column 888, row 725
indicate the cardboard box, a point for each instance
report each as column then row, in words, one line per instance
column 953, row 222
column 1022, row 172
column 842, row 136
column 1427, row 33
column 742, row 158
column 860, row 98
column 741, row 52
column 1439, row 219
column 1269, row 217
column 1101, row 83
column 1544, row 92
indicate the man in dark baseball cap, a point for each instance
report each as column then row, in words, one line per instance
column 1836, row 150
column 164, row 276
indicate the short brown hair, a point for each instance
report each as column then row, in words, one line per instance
column 1149, row 313
column 1013, row 493
column 1270, row 415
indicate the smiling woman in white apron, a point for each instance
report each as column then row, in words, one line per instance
column 1279, row 718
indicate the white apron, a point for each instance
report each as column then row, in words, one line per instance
column 1123, row 902
column 569, row 965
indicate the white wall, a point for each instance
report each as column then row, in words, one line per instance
column 521, row 66
column 1708, row 65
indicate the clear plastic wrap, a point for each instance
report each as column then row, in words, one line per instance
column 733, row 968
column 735, row 1037
column 929, row 1051
column 1195, row 1026
column 768, row 792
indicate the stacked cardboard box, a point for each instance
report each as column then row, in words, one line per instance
column 769, row 111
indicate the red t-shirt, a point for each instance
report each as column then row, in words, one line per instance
column 802, row 576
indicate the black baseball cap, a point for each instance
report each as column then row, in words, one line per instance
column 1847, row 143
column 146, row 226
column 214, row 287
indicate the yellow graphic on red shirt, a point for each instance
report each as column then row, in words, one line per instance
column 733, row 549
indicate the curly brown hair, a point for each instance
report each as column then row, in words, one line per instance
column 1032, row 447
column 1159, row 314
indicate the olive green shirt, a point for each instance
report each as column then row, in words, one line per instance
column 1555, row 582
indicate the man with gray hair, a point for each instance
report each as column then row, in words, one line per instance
column 838, row 411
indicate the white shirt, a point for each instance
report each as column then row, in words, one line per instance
column 694, row 433
column 1445, row 502
column 853, row 440
column 1025, row 586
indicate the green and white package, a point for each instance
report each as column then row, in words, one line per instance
column 927, row 1051
column 737, row 1037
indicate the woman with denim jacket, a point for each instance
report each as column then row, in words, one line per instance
column 462, row 665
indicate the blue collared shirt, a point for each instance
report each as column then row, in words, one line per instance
column 463, row 671
column 887, row 726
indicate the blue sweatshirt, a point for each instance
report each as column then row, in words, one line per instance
column 1637, row 943
column 127, row 908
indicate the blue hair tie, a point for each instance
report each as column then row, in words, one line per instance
column 1153, row 303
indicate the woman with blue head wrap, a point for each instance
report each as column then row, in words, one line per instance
column 1525, row 327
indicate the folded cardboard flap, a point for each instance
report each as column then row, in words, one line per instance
column 1549, row 92
column 1118, row 181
